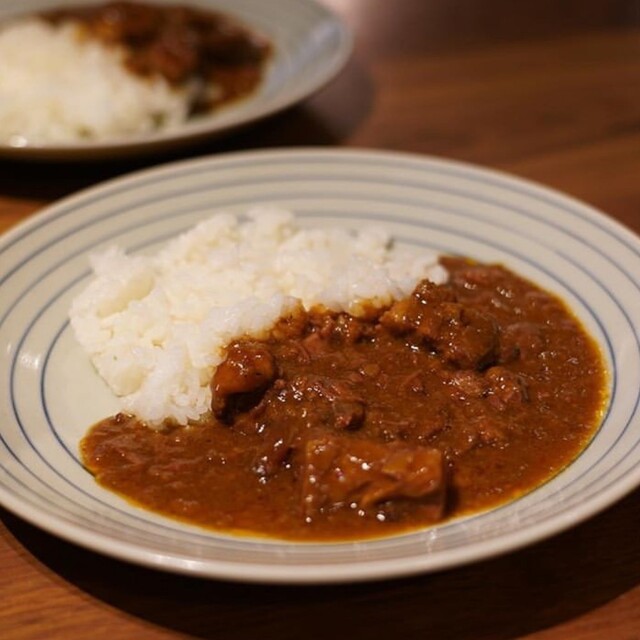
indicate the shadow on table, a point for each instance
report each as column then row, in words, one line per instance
column 327, row 119
column 536, row 588
column 53, row 180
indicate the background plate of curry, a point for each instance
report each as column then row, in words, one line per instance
column 51, row 395
column 292, row 48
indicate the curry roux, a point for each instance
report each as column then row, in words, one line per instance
column 220, row 58
column 454, row 400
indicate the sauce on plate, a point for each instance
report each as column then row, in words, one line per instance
column 221, row 58
column 454, row 400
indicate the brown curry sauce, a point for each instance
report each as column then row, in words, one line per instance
column 455, row 400
column 224, row 59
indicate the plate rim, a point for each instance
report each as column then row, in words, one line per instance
column 331, row 573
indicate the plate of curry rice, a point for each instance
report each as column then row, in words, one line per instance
column 355, row 442
column 109, row 78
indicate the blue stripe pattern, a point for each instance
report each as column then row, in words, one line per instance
column 438, row 206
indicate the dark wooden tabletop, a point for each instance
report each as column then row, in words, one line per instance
column 545, row 89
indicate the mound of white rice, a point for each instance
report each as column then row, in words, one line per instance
column 58, row 87
column 156, row 326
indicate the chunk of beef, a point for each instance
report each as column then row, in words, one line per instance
column 348, row 414
column 330, row 400
column 463, row 336
column 343, row 472
column 521, row 340
column 474, row 430
column 506, row 388
column 469, row 338
column 317, row 400
column 241, row 379
column 465, row 383
column 273, row 455
column 470, row 275
column 341, row 328
column 420, row 312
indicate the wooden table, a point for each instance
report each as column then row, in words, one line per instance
column 546, row 89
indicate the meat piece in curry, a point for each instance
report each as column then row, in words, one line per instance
column 458, row 398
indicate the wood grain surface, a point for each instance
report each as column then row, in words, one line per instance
column 548, row 90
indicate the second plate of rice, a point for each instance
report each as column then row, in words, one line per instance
column 96, row 108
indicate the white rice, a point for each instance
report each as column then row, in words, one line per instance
column 58, row 87
column 156, row 326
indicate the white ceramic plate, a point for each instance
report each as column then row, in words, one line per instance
column 50, row 394
column 311, row 45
